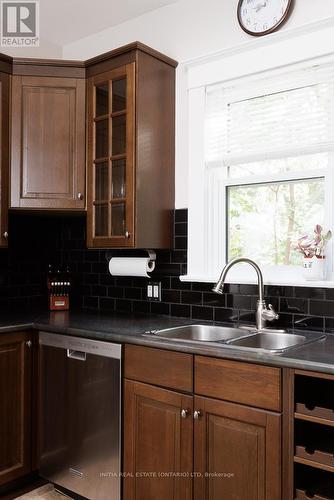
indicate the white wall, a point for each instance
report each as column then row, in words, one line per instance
column 46, row 50
column 185, row 30
column 188, row 28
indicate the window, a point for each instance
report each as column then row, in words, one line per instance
column 264, row 219
column 268, row 168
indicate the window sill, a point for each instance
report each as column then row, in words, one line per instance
column 252, row 281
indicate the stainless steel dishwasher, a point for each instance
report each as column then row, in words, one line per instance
column 80, row 422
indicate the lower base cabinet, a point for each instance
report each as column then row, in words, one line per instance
column 158, row 454
column 15, row 406
column 176, row 444
column 217, row 438
column 237, row 452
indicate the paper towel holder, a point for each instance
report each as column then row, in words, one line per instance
column 151, row 253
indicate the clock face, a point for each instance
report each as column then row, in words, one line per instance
column 259, row 17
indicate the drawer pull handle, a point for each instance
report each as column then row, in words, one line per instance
column 197, row 414
column 184, row 413
column 80, row 356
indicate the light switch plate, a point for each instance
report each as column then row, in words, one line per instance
column 153, row 291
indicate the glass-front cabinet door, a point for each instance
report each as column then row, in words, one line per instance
column 111, row 129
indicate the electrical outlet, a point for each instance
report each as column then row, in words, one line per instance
column 153, row 292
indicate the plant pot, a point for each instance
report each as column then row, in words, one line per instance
column 314, row 268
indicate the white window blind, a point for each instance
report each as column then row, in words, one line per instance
column 271, row 118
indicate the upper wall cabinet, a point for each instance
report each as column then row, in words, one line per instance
column 4, row 157
column 48, row 143
column 128, row 139
column 131, row 149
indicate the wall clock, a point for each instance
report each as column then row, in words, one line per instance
column 260, row 17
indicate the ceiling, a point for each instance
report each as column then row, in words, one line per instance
column 64, row 21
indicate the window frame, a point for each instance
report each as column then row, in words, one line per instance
column 207, row 235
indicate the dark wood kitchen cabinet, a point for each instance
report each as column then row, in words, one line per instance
column 4, row 157
column 237, row 452
column 234, row 451
column 15, row 406
column 158, row 443
column 310, row 436
column 47, row 143
column 131, row 151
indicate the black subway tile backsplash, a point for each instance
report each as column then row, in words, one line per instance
column 322, row 308
column 239, row 301
column 181, row 229
column 181, row 215
column 61, row 240
column 297, row 306
column 107, row 304
column 221, row 315
column 203, row 313
column 191, row 297
column 160, row 308
column 309, row 322
column 311, row 293
column 180, row 242
column 171, row 296
column 329, row 294
column 180, row 310
column 214, row 300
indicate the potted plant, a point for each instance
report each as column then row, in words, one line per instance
column 313, row 250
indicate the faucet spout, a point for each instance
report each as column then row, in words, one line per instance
column 218, row 288
column 263, row 314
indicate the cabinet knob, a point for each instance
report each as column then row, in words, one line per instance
column 5, row 235
column 29, row 343
column 197, row 414
column 127, row 234
column 80, row 196
column 184, row 413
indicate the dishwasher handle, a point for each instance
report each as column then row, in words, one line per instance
column 79, row 355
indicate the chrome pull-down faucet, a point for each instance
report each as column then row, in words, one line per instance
column 263, row 313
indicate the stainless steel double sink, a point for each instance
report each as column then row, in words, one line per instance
column 265, row 341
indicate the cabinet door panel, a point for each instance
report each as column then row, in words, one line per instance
column 15, row 408
column 237, row 452
column 48, row 167
column 111, row 143
column 158, row 444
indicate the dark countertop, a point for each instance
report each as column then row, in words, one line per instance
column 128, row 328
column 15, row 322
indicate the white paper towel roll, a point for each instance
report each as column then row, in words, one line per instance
column 131, row 266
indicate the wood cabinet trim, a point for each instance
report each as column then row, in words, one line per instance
column 288, row 400
column 304, row 373
column 131, row 47
column 4, row 157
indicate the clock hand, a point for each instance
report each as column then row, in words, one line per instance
column 260, row 6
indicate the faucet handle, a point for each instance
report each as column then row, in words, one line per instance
column 270, row 313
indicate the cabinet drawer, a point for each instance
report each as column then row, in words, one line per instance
column 243, row 383
column 159, row 367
